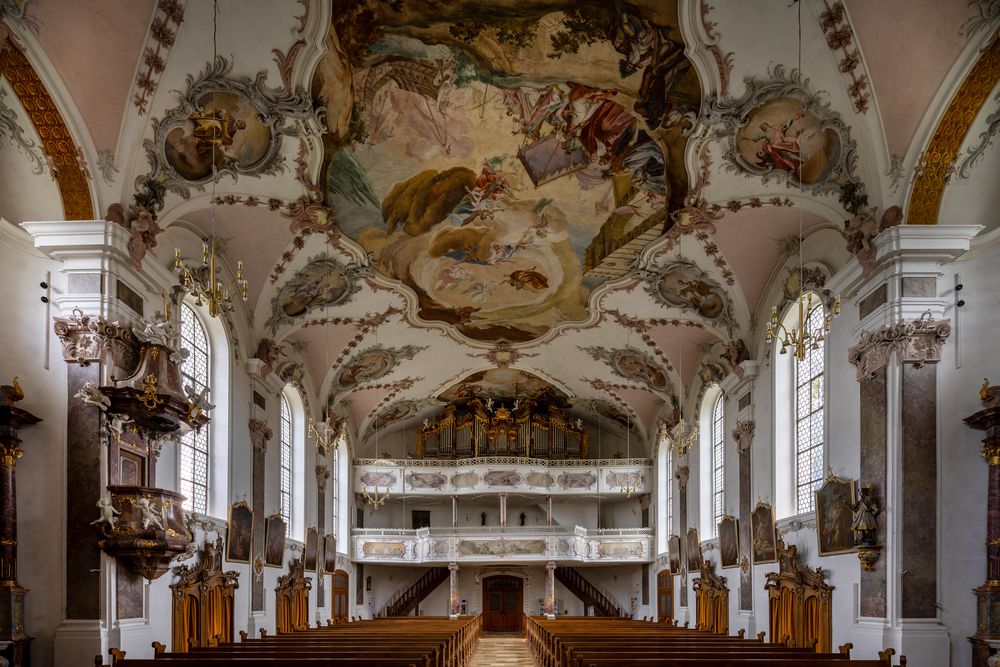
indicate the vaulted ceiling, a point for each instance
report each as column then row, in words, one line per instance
column 600, row 198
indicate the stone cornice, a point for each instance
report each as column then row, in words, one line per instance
column 681, row 474
column 260, row 433
column 86, row 339
column 916, row 341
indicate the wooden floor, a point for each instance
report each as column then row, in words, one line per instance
column 502, row 651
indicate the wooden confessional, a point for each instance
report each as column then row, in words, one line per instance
column 800, row 603
column 292, row 591
column 711, row 601
column 203, row 601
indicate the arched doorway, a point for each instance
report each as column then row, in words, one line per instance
column 665, row 596
column 338, row 597
column 503, row 603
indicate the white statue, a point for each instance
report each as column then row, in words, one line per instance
column 118, row 423
column 149, row 516
column 158, row 331
column 489, row 404
column 91, row 394
column 198, row 399
column 180, row 356
column 517, row 403
column 108, row 514
column 427, row 424
column 579, row 424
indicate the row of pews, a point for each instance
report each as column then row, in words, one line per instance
column 603, row 642
column 424, row 641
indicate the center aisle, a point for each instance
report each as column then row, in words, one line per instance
column 502, row 651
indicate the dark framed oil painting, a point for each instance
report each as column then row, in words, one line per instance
column 729, row 541
column 312, row 547
column 674, row 553
column 764, row 540
column 330, row 553
column 834, row 516
column 693, row 550
column 274, row 541
column 239, row 536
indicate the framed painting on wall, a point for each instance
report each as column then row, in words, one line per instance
column 834, row 517
column 764, row 540
column 693, row 550
column 239, row 536
column 312, row 547
column 674, row 553
column 274, row 541
column 729, row 541
column 330, row 553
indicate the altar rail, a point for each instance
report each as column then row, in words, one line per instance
column 491, row 543
column 476, row 475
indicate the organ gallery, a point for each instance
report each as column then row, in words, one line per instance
column 570, row 333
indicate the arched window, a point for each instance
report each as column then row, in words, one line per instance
column 809, row 401
column 669, row 484
column 285, row 444
column 799, row 419
column 194, row 445
column 718, row 462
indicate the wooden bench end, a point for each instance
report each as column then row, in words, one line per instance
column 886, row 655
column 116, row 655
column 846, row 649
column 243, row 635
column 158, row 648
column 263, row 633
column 741, row 633
column 760, row 636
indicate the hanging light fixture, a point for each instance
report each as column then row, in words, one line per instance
column 204, row 282
column 376, row 499
column 800, row 339
column 630, row 483
column 682, row 436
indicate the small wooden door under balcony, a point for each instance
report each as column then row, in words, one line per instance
column 338, row 607
column 665, row 596
column 503, row 598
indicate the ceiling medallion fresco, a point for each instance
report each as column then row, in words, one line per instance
column 504, row 382
column 633, row 365
column 371, row 364
column 237, row 123
column 779, row 128
column 321, row 283
column 683, row 284
column 496, row 168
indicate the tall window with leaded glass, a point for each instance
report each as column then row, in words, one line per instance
column 285, row 445
column 718, row 462
column 809, row 400
column 670, row 489
column 194, row 445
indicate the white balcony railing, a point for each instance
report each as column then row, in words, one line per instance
column 500, row 474
column 491, row 543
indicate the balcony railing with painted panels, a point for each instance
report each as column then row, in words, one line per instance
column 494, row 543
column 503, row 474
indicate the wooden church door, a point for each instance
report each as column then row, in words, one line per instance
column 504, row 604
column 338, row 606
column 665, row 596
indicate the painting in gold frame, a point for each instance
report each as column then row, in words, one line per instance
column 693, row 550
column 239, row 535
column 330, row 554
column 674, row 553
column 274, row 541
column 311, row 549
column 762, row 533
column 729, row 541
column 834, row 516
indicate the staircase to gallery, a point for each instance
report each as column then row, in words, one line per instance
column 406, row 600
column 589, row 594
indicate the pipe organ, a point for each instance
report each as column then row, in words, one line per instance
column 485, row 427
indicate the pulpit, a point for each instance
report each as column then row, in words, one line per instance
column 988, row 595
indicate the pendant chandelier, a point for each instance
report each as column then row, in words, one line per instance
column 682, row 436
column 630, row 482
column 204, row 282
column 376, row 499
column 800, row 338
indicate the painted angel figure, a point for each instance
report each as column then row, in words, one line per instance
column 108, row 514
column 148, row 514
column 92, row 395
column 158, row 331
column 118, row 423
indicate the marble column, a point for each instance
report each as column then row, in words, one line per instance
column 322, row 475
column 454, row 604
column 682, row 501
column 260, row 433
column 548, row 515
column 743, row 435
column 550, row 590
column 503, row 510
column 454, row 511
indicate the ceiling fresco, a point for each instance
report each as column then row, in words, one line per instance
column 575, row 200
column 494, row 167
